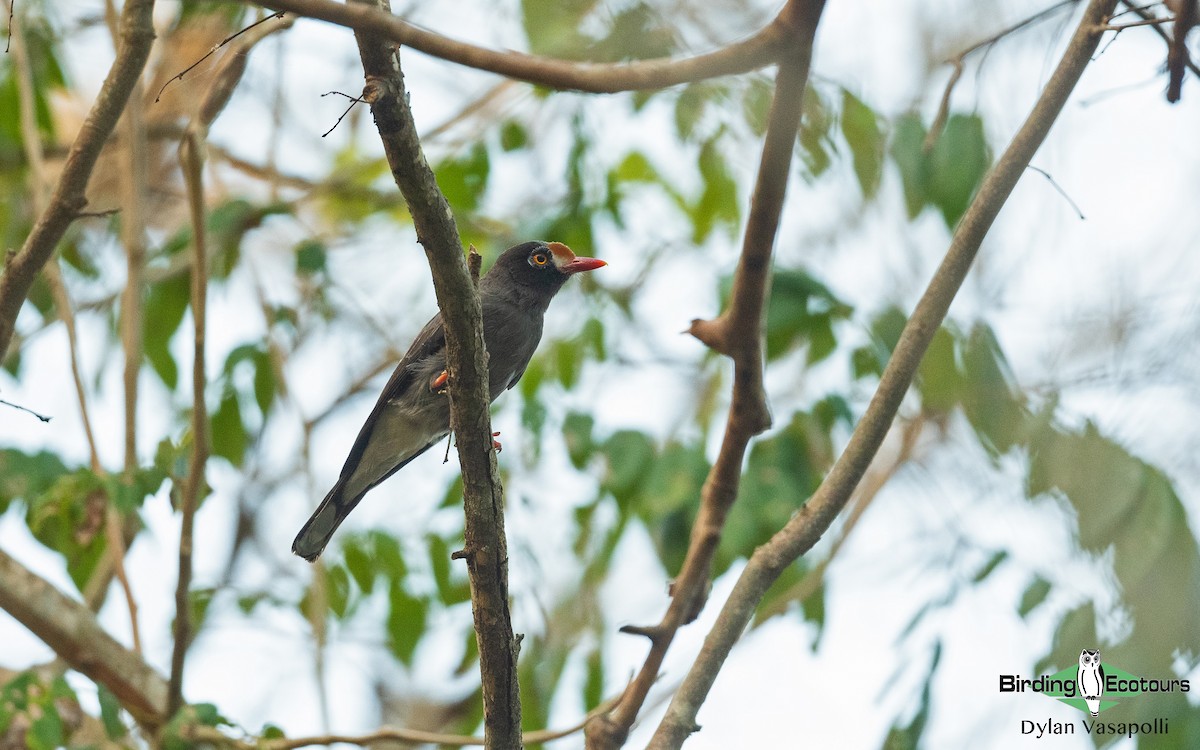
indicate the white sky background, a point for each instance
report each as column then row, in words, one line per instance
column 1122, row 154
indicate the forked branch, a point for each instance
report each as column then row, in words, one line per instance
column 738, row 333
column 807, row 526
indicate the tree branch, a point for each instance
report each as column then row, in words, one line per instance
column 191, row 157
column 738, row 334
column 137, row 36
column 71, row 630
column 754, row 52
column 807, row 526
column 470, row 418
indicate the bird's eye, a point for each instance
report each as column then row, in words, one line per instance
column 539, row 259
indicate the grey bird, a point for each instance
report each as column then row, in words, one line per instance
column 413, row 412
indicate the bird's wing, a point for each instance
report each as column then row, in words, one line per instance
column 430, row 341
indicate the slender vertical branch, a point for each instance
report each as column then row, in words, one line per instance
column 191, row 157
column 737, row 332
column 486, row 550
column 137, row 36
column 807, row 526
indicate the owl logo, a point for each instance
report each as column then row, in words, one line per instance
column 1090, row 679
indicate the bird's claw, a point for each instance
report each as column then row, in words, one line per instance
column 438, row 384
column 496, row 443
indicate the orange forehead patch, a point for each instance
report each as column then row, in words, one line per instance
column 562, row 253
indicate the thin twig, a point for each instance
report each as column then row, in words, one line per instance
column 191, row 156
column 179, row 76
column 1143, row 12
column 815, row 517
column 736, row 333
column 12, row 4
column 1118, row 27
column 25, row 409
column 353, row 100
column 1056, row 186
column 958, row 61
column 752, row 53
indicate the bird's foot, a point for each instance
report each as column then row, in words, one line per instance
column 496, row 443
column 438, row 384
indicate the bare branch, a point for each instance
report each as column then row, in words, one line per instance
column 71, row 630
column 737, row 333
column 179, row 76
column 1177, row 55
column 191, row 156
column 68, row 200
column 752, row 53
column 25, row 409
column 470, row 418
column 803, row 530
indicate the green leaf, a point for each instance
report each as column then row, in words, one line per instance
column 358, row 563
column 629, row 455
column 1034, row 595
column 449, row 591
column 990, row 566
column 908, row 151
column 756, row 105
column 110, row 714
column 27, row 475
column 802, row 309
column 464, row 179
column 264, row 381
column 992, row 401
column 577, row 436
column 165, row 306
column 940, row 380
column 690, row 106
column 513, row 136
column 229, row 437
column 860, row 126
column 718, row 203
column 593, row 685
column 337, row 590
column 957, row 163
column 46, row 731
column 405, row 622
column 552, row 27
column 813, row 138
column 310, row 257
column 635, row 167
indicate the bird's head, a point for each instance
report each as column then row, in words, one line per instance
column 540, row 268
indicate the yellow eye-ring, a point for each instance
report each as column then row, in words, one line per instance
column 539, row 259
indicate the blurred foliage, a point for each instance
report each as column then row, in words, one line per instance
column 1122, row 510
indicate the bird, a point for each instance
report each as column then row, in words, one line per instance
column 412, row 413
column 1090, row 679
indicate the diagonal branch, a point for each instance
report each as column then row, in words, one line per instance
column 754, row 52
column 737, row 332
column 486, row 549
column 71, row 629
column 807, row 526
column 137, row 36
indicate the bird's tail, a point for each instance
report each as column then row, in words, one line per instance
column 319, row 528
